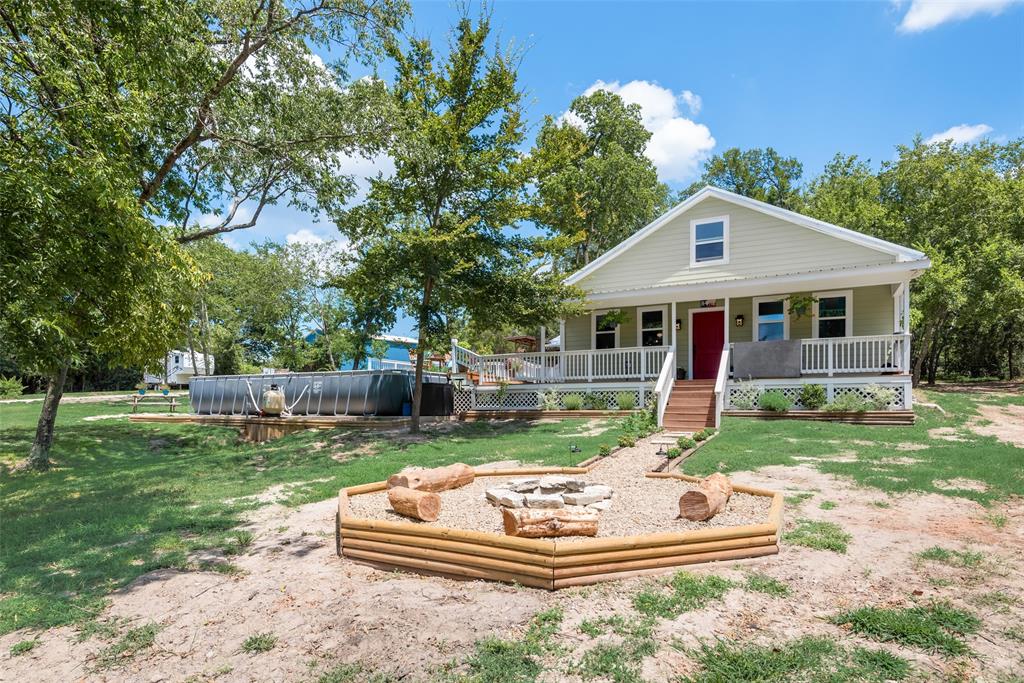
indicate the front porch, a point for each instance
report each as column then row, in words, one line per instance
column 649, row 350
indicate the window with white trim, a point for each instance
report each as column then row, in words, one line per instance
column 606, row 332
column 652, row 326
column 709, row 241
column 833, row 314
column 770, row 319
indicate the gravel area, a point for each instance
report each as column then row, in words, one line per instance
column 639, row 505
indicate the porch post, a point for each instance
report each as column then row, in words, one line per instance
column 906, row 326
column 543, row 359
column 726, row 321
column 675, row 337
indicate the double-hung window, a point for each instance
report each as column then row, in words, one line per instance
column 652, row 326
column 606, row 332
column 833, row 314
column 709, row 241
column 770, row 321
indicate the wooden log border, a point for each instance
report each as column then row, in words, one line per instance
column 540, row 563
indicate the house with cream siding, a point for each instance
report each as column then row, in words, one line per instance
column 718, row 300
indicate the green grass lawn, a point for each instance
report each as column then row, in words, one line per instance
column 129, row 498
column 893, row 459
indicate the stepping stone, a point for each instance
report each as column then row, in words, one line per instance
column 600, row 505
column 505, row 498
column 523, row 485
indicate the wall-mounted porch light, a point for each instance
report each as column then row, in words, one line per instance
column 739, row 320
column 679, row 324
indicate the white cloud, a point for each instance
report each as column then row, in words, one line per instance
column 208, row 220
column 961, row 134
column 677, row 144
column 304, row 236
column 927, row 14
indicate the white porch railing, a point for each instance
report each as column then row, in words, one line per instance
column 631, row 363
column 721, row 380
column 663, row 388
column 875, row 353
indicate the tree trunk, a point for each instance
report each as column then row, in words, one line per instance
column 39, row 456
column 528, row 523
column 422, row 505
column 424, row 319
column 191, row 348
column 1009, row 361
column 933, row 361
column 436, row 479
column 924, row 352
column 707, row 500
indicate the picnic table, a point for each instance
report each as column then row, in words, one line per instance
column 172, row 401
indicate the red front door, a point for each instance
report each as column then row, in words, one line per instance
column 708, row 335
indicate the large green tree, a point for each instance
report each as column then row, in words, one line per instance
column 441, row 232
column 594, row 185
column 960, row 204
column 109, row 152
column 761, row 174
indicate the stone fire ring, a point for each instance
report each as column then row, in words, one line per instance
column 540, row 563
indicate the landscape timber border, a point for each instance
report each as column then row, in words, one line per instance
column 542, row 563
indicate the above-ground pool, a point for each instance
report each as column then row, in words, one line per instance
column 353, row 392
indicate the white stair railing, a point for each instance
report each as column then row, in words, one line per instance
column 721, row 379
column 663, row 388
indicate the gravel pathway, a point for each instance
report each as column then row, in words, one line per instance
column 639, row 505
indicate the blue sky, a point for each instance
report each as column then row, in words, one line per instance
column 807, row 78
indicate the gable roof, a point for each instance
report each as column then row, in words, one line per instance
column 900, row 252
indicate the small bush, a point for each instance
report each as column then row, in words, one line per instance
column 812, row 396
column 686, row 443
column 594, row 402
column 572, row 401
column 702, row 435
column 261, row 642
column 549, row 400
column 849, row 402
column 11, row 387
column 879, row 397
column 774, row 401
column 604, row 450
column 625, row 400
column 627, row 441
column 674, row 452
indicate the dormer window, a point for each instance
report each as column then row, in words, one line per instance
column 709, row 241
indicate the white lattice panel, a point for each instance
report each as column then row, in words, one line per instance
column 532, row 399
column 463, row 401
column 792, row 392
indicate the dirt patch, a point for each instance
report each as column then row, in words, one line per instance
column 960, row 484
column 1006, row 388
column 911, row 446
column 326, row 611
column 593, row 427
column 1006, row 423
column 945, row 434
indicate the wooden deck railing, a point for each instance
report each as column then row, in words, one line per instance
column 845, row 355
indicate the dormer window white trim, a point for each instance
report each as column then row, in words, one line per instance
column 709, row 241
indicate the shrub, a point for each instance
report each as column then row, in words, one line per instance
column 549, row 400
column 879, row 397
column 812, row 396
column 572, row 401
column 594, row 402
column 774, row 401
column 627, row 440
column 625, row 400
column 745, row 395
column 674, row 452
column 849, row 402
column 10, row 387
column 640, row 424
column 700, row 436
column 604, row 450
column 686, row 443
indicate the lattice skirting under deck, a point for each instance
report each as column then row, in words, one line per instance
column 751, row 389
column 537, row 398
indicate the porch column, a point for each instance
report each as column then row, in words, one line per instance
column 543, row 359
column 906, row 326
column 726, row 321
column 675, row 340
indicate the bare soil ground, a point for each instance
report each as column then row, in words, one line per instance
column 325, row 611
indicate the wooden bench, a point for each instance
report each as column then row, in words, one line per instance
column 172, row 402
